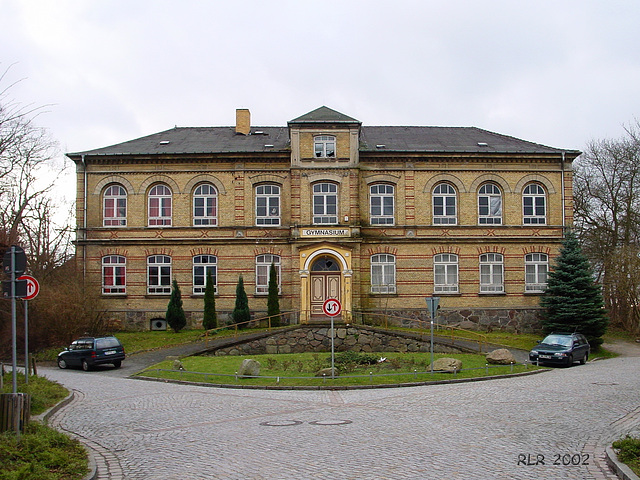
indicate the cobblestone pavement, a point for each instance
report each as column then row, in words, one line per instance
column 553, row 425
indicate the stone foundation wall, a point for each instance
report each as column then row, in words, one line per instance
column 317, row 339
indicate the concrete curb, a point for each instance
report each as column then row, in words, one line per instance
column 44, row 418
column 336, row 387
column 624, row 472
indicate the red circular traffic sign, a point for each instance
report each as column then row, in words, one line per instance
column 331, row 307
column 33, row 287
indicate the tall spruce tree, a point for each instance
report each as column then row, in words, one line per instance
column 241, row 313
column 175, row 313
column 210, row 318
column 573, row 300
column 273, row 302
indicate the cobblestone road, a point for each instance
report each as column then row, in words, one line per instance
column 484, row 430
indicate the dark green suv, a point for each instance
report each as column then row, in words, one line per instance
column 87, row 352
column 561, row 349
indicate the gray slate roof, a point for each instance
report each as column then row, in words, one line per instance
column 197, row 140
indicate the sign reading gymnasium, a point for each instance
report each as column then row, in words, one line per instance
column 326, row 232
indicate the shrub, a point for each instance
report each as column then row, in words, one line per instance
column 175, row 313
column 629, row 449
column 241, row 313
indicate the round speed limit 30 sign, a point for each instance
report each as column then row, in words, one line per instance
column 331, row 307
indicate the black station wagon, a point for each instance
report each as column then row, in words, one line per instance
column 561, row 349
column 90, row 351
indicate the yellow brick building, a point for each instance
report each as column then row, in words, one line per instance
column 377, row 217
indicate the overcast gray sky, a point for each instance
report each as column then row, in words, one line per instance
column 556, row 72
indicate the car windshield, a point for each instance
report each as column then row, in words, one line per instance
column 561, row 340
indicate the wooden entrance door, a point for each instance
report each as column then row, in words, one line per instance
column 325, row 283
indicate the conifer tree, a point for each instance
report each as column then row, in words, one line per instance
column 273, row 302
column 210, row 318
column 573, row 301
column 241, row 313
column 175, row 313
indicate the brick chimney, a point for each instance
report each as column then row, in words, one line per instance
column 243, row 121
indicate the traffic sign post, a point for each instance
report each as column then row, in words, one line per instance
column 32, row 290
column 433, row 303
column 332, row 307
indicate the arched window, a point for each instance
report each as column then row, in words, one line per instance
column 489, row 205
column 114, row 274
column 381, row 201
column 444, row 205
column 324, row 146
column 114, row 206
column 267, row 205
column 159, row 274
column 202, row 266
column 383, row 273
column 536, row 269
column 534, row 209
column 160, row 205
column 445, row 273
column 263, row 267
column 205, row 205
column 325, row 204
column 491, row 273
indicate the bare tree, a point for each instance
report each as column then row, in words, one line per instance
column 607, row 218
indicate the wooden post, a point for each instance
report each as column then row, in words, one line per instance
column 15, row 410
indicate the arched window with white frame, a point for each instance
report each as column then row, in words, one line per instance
column 445, row 273
column 536, row 270
column 383, row 273
column 491, row 273
column 160, row 201
column 489, row 205
column 444, row 199
column 205, row 205
column 268, row 205
column 114, row 274
column 324, row 146
column 159, row 274
column 204, row 265
column 381, row 199
column 114, row 210
column 325, row 203
column 263, row 269
column 534, row 205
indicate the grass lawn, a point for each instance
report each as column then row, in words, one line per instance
column 300, row 369
column 628, row 451
column 41, row 453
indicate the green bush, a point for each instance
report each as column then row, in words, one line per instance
column 629, row 450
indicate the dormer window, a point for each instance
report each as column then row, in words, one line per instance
column 325, row 146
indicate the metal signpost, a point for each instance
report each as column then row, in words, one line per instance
column 33, row 288
column 433, row 303
column 14, row 264
column 332, row 308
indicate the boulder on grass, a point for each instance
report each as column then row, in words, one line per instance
column 447, row 365
column 501, row 356
column 177, row 365
column 326, row 372
column 249, row 368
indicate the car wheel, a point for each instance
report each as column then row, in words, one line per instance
column 62, row 364
column 584, row 359
column 85, row 366
column 117, row 363
column 570, row 361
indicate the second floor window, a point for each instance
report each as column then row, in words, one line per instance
column 536, row 269
column 325, row 204
column 382, row 199
column 115, row 206
column 534, row 205
column 383, row 273
column 160, row 206
column 267, row 205
column 491, row 273
column 444, row 205
column 204, row 265
column 489, row 205
column 159, row 274
column 263, row 269
column 445, row 273
column 114, row 274
column 205, row 205
column 324, row 146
